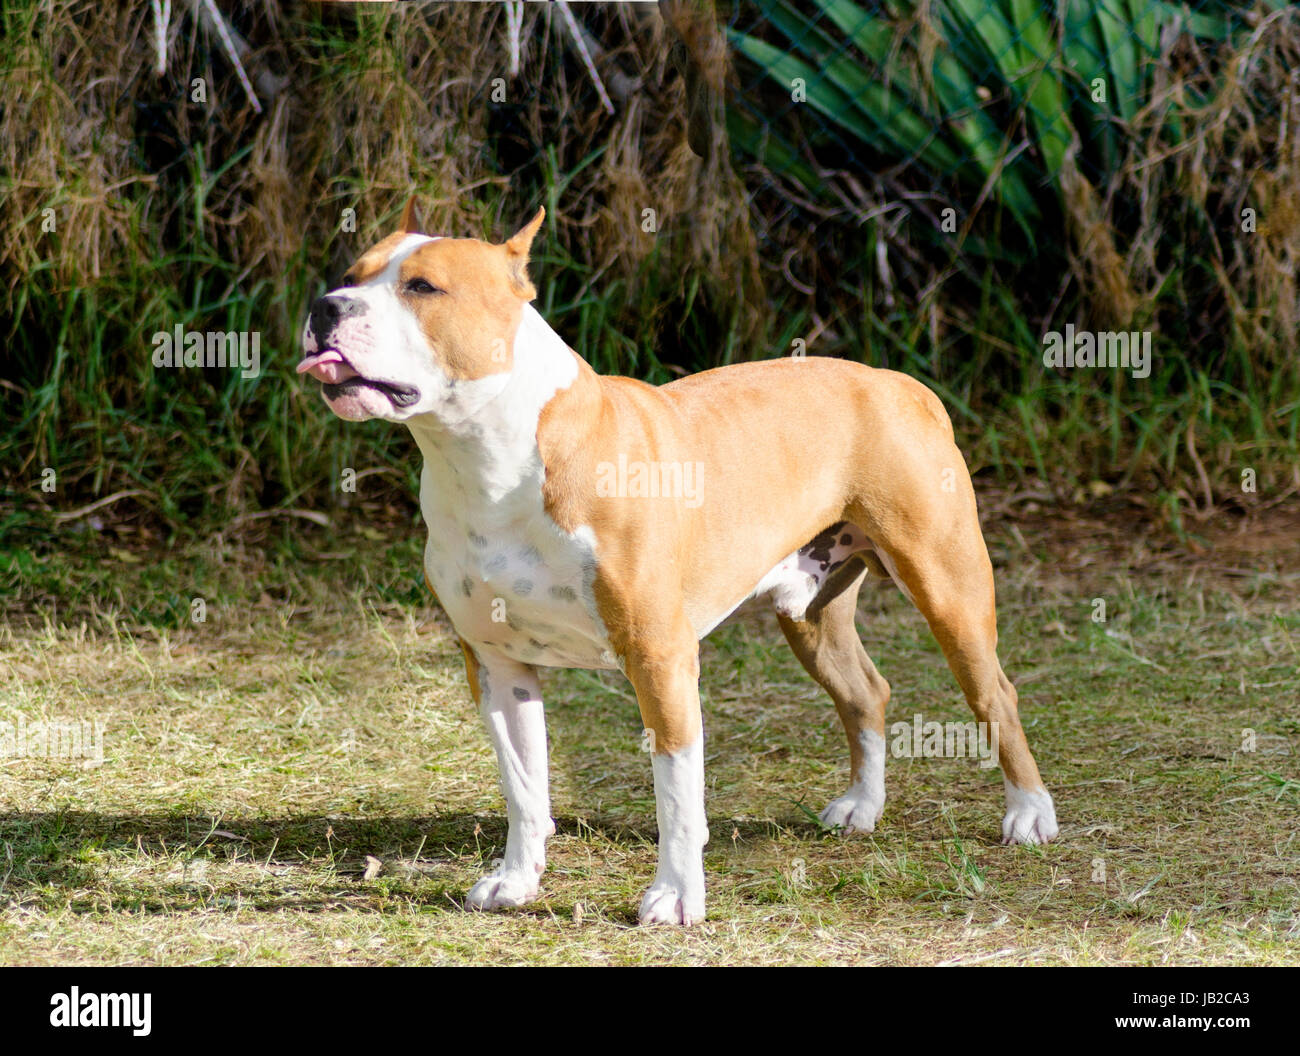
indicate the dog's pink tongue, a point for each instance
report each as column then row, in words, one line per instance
column 327, row 366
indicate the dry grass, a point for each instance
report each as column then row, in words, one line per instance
column 366, row 108
column 170, row 211
column 1238, row 150
column 255, row 761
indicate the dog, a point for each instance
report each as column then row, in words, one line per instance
column 581, row 520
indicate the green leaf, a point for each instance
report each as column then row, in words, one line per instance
column 1121, row 56
column 761, row 142
column 844, row 93
column 1084, row 55
column 959, row 106
column 1045, row 96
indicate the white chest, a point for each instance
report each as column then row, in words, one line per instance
column 506, row 574
column 511, row 580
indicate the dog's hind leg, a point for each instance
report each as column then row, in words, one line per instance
column 827, row 644
column 942, row 564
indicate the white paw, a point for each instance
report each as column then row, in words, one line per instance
column 1030, row 817
column 857, row 811
column 665, row 904
column 503, row 888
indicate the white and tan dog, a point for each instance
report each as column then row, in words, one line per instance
column 577, row 520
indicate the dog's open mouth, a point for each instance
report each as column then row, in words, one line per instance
column 400, row 395
column 337, row 379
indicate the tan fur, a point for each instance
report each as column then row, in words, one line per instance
column 827, row 644
column 804, row 443
column 373, row 261
column 789, row 478
column 477, row 312
column 410, row 221
column 517, row 249
column 471, row 324
column 471, row 671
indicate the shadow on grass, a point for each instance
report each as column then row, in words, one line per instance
column 59, row 857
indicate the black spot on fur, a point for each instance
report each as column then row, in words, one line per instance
column 819, row 549
column 521, row 693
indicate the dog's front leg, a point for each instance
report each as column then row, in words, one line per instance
column 667, row 689
column 510, row 701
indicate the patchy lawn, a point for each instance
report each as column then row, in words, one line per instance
column 254, row 763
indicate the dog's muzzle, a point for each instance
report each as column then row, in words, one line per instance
column 324, row 361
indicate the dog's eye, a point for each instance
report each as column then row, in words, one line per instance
column 421, row 286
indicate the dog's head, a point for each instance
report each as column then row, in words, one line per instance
column 421, row 325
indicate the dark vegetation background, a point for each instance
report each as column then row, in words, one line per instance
column 816, row 220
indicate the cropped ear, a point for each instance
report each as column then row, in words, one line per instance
column 517, row 247
column 410, row 221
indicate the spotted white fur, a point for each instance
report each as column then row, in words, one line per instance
column 510, row 701
column 508, row 577
column 795, row 581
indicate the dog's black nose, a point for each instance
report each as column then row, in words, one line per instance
column 327, row 311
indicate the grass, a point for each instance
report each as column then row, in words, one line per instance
column 255, row 762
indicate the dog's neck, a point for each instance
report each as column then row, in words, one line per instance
column 489, row 443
